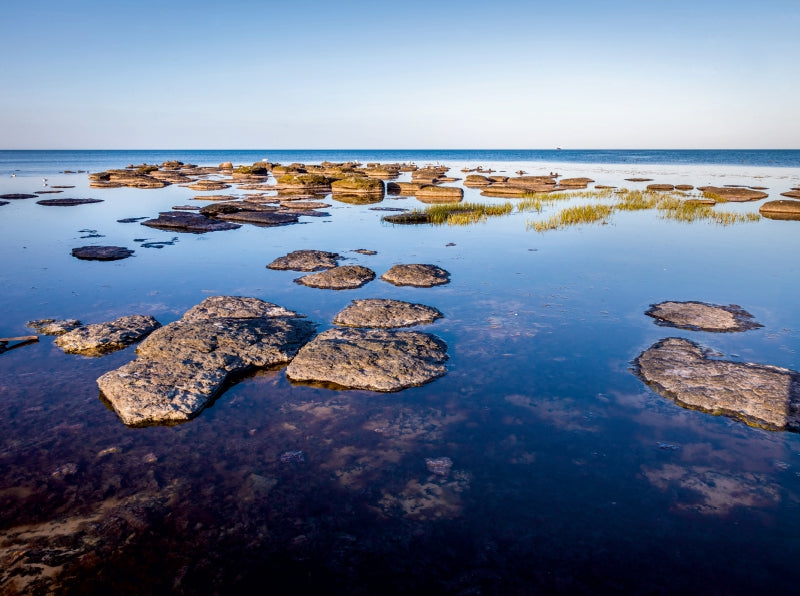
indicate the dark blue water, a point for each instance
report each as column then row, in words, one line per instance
column 569, row 474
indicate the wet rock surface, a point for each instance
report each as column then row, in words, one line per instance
column 261, row 218
column 347, row 277
column 733, row 194
column 183, row 221
column 101, row 253
column 53, row 326
column 306, row 260
column 372, row 359
column 183, row 366
column 101, row 338
column 416, row 274
column 67, row 202
column 699, row 316
column 757, row 394
column 440, row 194
column 780, row 209
column 385, row 313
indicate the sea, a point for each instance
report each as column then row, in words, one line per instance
column 567, row 473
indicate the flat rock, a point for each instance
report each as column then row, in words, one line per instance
column 53, row 326
column 261, row 218
column 17, row 195
column 366, row 251
column 385, row 313
column 781, row 209
column 757, row 394
column 3, row 203
column 101, row 253
column 733, row 194
column 304, row 205
column 67, row 202
column 684, row 187
column 347, row 277
column 372, row 359
column 209, row 185
column 792, row 194
column 306, row 260
column 639, row 179
column 661, row 187
column 575, row 182
column 185, row 208
column 440, row 194
column 357, row 186
column 183, row 221
column 215, row 198
column 699, row 316
column 415, row 274
column 101, row 338
column 183, row 366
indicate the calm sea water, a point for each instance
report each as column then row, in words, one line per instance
column 569, row 475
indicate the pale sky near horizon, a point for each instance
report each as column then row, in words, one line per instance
column 354, row 74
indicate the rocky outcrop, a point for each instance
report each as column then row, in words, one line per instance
column 183, row 366
column 780, row 209
column 476, row 181
column 733, row 194
column 757, row 394
column 306, row 260
column 305, row 183
column 699, row 316
column 67, row 202
column 347, row 277
column 372, row 359
column 101, row 338
column 440, row 194
column 415, row 274
column 385, row 313
column 101, row 253
column 182, row 221
column 53, row 326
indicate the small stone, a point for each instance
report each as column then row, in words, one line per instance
column 101, row 253
column 419, row 275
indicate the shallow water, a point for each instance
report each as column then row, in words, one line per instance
column 569, row 474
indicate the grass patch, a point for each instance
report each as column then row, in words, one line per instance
column 452, row 214
column 573, row 216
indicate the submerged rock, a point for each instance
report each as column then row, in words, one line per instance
column 699, row 316
column 101, row 253
column 306, row 260
column 780, row 209
column 416, row 274
column 184, row 365
column 347, row 277
column 17, row 195
column 184, row 221
column 53, row 326
column 757, row 394
column 385, row 313
column 373, row 359
column 101, row 338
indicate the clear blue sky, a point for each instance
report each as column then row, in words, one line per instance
column 433, row 74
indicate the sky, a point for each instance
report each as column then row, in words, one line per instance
column 428, row 74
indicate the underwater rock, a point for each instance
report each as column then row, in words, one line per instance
column 440, row 194
column 699, row 316
column 347, row 277
column 101, row 253
column 385, row 313
column 17, row 195
column 188, row 222
column 53, row 326
column 183, row 366
column 101, row 338
column 415, row 274
column 373, row 359
column 733, row 194
column 306, row 260
column 780, row 209
column 757, row 394
column 67, row 202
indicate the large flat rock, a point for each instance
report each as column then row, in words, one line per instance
column 416, row 274
column 182, row 221
column 781, row 209
column 373, row 359
column 306, row 260
column 385, row 313
column 757, row 394
column 347, row 277
column 101, row 338
column 699, row 316
column 733, row 194
column 101, row 253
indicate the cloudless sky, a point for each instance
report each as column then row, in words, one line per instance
column 434, row 74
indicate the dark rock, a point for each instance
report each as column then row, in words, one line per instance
column 130, row 219
column 304, row 205
column 188, row 222
column 3, row 203
column 366, row 251
column 101, row 338
column 216, row 198
column 639, row 179
column 699, row 316
column 338, row 278
column 261, row 218
column 373, row 359
column 306, row 260
column 759, row 395
column 53, row 326
column 408, row 217
column 781, row 209
column 17, row 195
column 185, row 208
column 48, row 192
column 419, row 275
column 67, row 202
column 101, row 253
column 385, row 313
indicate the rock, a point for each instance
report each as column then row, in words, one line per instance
column 17, row 195
column 53, row 326
column 372, row 359
column 117, row 178
column 226, row 165
column 188, row 222
column 409, row 217
column 792, row 194
column 184, row 365
column 366, row 251
column 639, row 179
column 476, row 181
column 101, row 338
column 185, row 208
column 171, row 177
column 358, row 199
column 304, row 205
column 225, row 207
column 67, row 202
column 3, row 203
column 531, row 181
column 419, row 275
column 130, row 219
column 261, row 218
column 759, row 395
column 699, row 316
column 307, row 183
column 440, row 194
column 101, row 253
column 209, row 185
column 733, row 194
column 385, row 313
column 661, row 187
column 216, row 198
column 338, row 278
column 684, row 187
column 781, row 209
column 306, row 260
column 358, row 186
column 575, row 182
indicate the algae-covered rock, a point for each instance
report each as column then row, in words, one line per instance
column 385, row 313
column 101, row 338
column 699, row 316
column 372, row 359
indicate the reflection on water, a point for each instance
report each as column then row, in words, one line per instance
column 567, row 474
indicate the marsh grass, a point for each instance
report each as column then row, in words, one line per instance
column 573, row 216
column 453, row 214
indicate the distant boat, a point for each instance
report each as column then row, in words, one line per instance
column 558, row 148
